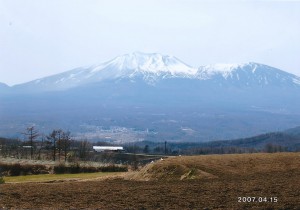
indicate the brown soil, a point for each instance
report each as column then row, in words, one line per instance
column 199, row 182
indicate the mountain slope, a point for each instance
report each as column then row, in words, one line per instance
column 249, row 74
column 3, row 85
column 291, row 142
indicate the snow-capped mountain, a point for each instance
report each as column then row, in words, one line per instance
column 149, row 67
column 160, row 93
column 153, row 68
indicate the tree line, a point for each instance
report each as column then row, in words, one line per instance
column 57, row 145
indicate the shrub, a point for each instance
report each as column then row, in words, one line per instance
column 17, row 169
column 113, row 168
column 59, row 169
column 89, row 169
column 39, row 169
column 76, row 168
column 1, row 180
column 64, row 169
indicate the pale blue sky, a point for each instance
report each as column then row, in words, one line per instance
column 44, row 37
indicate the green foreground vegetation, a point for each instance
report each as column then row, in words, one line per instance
column 57, row 177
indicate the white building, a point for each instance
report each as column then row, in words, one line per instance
column 108, row 149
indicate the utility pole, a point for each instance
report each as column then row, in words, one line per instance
column 59, row 144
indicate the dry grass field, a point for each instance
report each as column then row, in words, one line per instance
column 192, row 182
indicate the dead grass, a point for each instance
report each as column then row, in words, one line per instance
column 217, row 166
column 60, row 177
column 27, row 161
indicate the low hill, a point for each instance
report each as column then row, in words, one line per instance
column 288, row 140
column 294, row 131
column 219, row 167
column 291, row 141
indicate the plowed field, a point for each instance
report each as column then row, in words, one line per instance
column 220, row 189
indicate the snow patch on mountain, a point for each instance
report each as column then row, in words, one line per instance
column 224, row 69
column 296, row 80
column 247, row 74
column 150, row 63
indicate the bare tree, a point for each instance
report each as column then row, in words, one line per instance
column 32, row 134
column 54, row 136
column 66, row 142
column 59, row 142
column 41, row 146
column 83, row 149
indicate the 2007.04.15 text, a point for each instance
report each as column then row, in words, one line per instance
column 257, row 199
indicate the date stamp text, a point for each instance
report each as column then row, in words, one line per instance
column 257, row 199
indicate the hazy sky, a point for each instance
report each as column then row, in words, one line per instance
column 44, row 37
